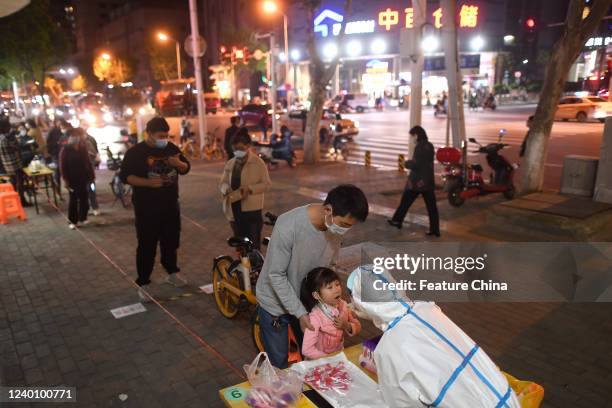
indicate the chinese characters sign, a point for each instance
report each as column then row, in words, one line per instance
column 388, row 19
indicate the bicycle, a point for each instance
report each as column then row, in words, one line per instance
column 210, row 151
column 121, row 191
column 234, row 282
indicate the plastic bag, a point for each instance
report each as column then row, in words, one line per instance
column 529, row 394
column 271, row 387
column 340, row 382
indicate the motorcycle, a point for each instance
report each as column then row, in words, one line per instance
column 465, row 181
column 439, row 109
column 489, row 103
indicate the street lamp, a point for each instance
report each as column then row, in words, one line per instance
column 270, row 7
column 161, row 36
column 477, row 43
column 430, row 44
column 378, row 46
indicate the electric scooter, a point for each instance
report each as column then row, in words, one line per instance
column 465, row 181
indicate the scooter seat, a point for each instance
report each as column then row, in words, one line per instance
column 240, row 242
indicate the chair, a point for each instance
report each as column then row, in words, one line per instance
column 10, row 205
column 6, row 188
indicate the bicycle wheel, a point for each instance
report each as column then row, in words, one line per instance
column 226, row 301
column 256, row 331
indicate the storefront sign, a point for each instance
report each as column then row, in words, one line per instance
column 468, row 61
column 377, row 67
column 598, row 41
column 388, row 19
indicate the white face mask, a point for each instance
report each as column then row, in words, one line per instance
column 335, row 229
column 240, row 154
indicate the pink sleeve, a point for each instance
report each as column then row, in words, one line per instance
column 309, row 344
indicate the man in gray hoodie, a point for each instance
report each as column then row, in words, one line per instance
column 304, row 238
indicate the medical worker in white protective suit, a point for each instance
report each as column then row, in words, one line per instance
column 423, row 358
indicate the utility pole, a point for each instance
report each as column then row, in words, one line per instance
column 195, row 36
column 417, row 62
column 453, row 74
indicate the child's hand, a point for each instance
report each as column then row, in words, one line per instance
column 342, row 324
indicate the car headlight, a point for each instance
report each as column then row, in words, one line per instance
column 129, row 111
column 108, row 117
column 277, row 116
column 142, row 111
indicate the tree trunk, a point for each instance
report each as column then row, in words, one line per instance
column 564, row 53
column 320, row 75
column 312, row 148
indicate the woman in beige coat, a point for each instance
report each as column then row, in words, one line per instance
column 243, row 184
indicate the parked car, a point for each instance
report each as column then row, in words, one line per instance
column 256, row 115
column 359, row 103
column 296, row 122
column 175, row 97
column 583, row 108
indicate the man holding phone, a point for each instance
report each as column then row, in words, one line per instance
column 152, row 168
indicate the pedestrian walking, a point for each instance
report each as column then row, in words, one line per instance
column 230, row 132
column 420, row 181
column 77, row 173
column 244, row 181
column 529, row 124
column 10, row 159
column 152, row 167
column 94, row 158
column 303, row 239
column 185, row 130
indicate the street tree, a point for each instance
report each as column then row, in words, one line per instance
column 321, row 73
column 565, row 52
column 31, row 44
column 113, row 70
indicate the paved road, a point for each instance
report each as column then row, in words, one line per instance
column 385, row 135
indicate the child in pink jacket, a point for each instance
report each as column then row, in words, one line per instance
column 321, row 293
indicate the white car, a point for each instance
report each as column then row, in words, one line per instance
column 583, row 108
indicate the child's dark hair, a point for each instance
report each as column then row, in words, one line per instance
column 315, row 280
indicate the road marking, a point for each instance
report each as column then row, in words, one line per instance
column 128, row 310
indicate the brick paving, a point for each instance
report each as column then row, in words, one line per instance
column 57, row 289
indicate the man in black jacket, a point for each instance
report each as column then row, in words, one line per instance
column 152, row 168
column 420, row 181
column 230, row 132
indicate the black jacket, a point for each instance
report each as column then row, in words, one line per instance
column 421, row 167
column 230, row 132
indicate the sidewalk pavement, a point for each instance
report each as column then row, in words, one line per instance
column 57, row 287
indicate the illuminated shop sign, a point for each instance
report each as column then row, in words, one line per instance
column 598, row 41
column 388, row 19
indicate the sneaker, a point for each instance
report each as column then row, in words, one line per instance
column 96, row 213
column 142, row 295
column 86, row 222
column 175, row 280
column 71, row 226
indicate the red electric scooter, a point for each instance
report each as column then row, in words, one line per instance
column 465, row 181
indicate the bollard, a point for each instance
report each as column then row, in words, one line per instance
column 368, row 158
column 400, row 163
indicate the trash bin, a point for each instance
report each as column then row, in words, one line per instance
column 579, row 174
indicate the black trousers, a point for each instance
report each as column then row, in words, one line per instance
column 78, row 204
column 153, row 227
column 248, row 224
column 430, row 201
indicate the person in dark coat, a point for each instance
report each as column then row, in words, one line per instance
column 420, row 181
column 77, row 173
column 282, row 149
column 230, row 132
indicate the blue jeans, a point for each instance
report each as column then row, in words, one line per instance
column 274, row 333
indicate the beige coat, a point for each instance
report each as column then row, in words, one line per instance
column 254, row 175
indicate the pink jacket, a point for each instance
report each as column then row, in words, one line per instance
column 326, row 338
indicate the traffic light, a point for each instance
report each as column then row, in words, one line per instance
column 530, row 23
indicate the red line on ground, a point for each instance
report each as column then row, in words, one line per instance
column 188, row 330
